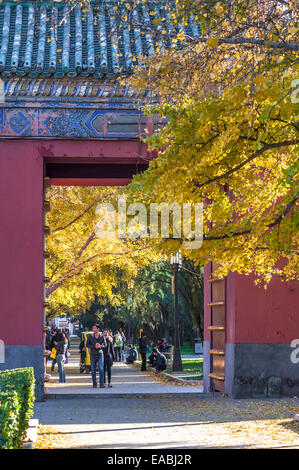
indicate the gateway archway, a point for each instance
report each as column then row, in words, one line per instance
column 247, row 331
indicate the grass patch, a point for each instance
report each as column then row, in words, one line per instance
column 195, row 377
column 186, row 349
column 190, row 365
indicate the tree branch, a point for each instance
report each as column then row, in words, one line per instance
column 287, row 46
column 249, row 159
column 76, row 218
column 246, row 232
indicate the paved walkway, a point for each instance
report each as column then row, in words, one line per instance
column 163, row 423
column 157, row 415
column 126, row 380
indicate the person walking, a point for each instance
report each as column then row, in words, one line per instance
column 142, row 350
column 118, row 343
column 52, row 345
column 61, row 343
column 95, row 344
column 48, row 343
column 108, row 356
column 68, row 336
column 124, row 340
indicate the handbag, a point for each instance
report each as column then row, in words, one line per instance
column 53, row 353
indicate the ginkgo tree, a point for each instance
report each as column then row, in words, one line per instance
column 228, row 93
column 230, row 97
column 82, row 265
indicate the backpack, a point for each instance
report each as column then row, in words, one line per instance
column 53, row 353
column 119, row 342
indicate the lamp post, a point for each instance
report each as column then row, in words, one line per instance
column 176, row 263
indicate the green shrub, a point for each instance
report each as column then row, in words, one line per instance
column 22, row 382
column 9, row 419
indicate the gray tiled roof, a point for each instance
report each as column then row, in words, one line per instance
column 52, row 39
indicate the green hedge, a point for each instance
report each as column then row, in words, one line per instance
column 9, row 419
column 17, row 400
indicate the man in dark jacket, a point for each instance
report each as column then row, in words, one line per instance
column 160, row 361
column 96, row 344
column 142, row 350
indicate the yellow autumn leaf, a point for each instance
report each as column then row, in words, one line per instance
column 212, row 42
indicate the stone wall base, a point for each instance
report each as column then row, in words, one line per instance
column 27, row 356
column 261, row 371
column 206, row 366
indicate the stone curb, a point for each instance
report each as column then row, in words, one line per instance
column 62, row 396
column 31, row 434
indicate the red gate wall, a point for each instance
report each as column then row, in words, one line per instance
column 259, row 327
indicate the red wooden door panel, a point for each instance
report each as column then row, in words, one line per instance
column 217, row 329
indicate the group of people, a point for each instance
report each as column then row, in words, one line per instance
column 104, row 349
column 58, row 342
column 119, row 343
column 157, row 358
